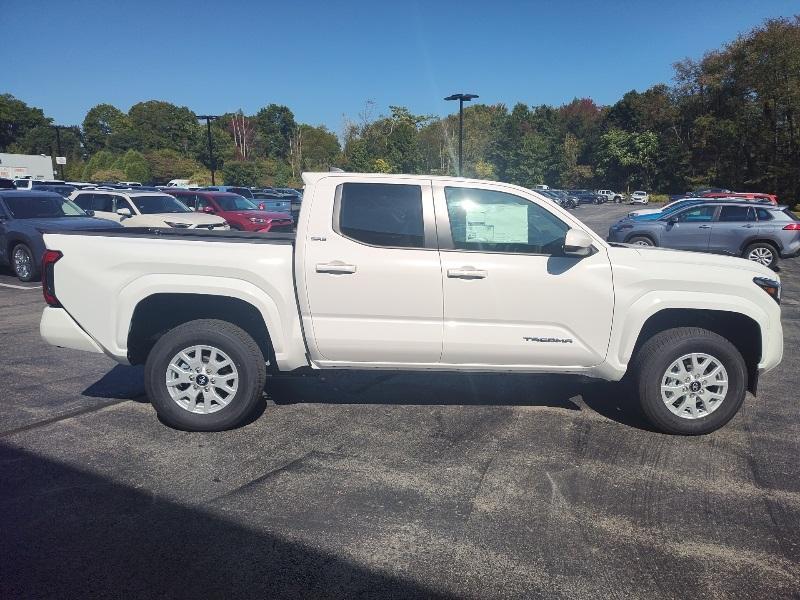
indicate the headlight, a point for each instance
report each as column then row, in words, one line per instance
column 772, row 287
column 176, row 224
column 258, row 220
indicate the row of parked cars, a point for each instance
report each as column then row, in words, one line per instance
column 755, row 229
column 574, row 198
column 27, row 210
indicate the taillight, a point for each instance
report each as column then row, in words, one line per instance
column 50, row 258
column 793, row 227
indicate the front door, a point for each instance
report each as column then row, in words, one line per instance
column 692, row 229
column 371, row 275
column 511, row 296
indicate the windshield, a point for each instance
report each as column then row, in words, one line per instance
column 43, row 207
column 235, row 203
column 161, row 203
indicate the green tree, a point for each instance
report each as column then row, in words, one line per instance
column 105, row 127
column 246, row 173
column 160, row 125
column 16, row 119
column 275, row 126
column 320, row 148
column 108, row 175
column 100, row 161
column 134, row 165
column 166, row 164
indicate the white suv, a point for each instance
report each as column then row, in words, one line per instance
column 144, row 209
column 639, row 197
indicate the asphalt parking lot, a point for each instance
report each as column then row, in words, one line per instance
column 389, row 485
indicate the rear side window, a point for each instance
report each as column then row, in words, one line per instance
column 737, row 213
column 766, row 215
column 381, row 214
column 84, row 201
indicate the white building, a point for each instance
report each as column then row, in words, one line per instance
column 21, row 166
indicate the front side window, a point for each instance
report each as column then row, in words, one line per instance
column 493, row 221
column 698, row 214
column 381, row 214
column 103, row 203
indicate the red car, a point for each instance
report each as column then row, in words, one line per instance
column 772, row 198
column 238, row 211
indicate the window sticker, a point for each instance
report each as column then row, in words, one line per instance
column 496, row 223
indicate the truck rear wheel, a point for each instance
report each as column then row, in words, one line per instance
column 689, row 380
column 205, row 375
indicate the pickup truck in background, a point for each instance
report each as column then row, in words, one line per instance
column 414, row 273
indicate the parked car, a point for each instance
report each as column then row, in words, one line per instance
column 684, row 202
column 761, row 233
column 273, row 201
column 233, row 189
column 239, row 212
column 560, row 197
column 6, row 184
column 24, row 214
column 639, row 197
column 130, row 184
column 587, row 196
column 611, row 196
column 771, row 198
column 376, row 278
column 63, row 190
column 144, row 209
column 698, row 193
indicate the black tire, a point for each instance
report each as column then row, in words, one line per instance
column 655, row 357
column 33, row 273
column 228, row 338
column 641, row 240
column 762, row 247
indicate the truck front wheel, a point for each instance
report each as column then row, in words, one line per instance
column 689, row 380
column 205, row 375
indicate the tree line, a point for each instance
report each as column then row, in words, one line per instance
column 729, row 119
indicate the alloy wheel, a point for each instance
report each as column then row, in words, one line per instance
column 202, row 379
column 23, row 263
column 694, row 385
column 761, row 255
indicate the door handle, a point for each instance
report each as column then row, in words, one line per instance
column 748, row 226
column 704, row 227
column 467, row 273
column 336, row 267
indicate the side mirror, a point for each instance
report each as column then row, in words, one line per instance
column 577, row 243
column 124, row 212
column 89, row 212
column 673, row 220
column 209, row 209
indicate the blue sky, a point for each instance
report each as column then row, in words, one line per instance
column 326, row 59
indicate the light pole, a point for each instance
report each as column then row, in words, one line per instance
column 58, row 129
column 212, row 162
column 461, row 99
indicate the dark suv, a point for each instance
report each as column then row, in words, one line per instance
column 587, row 196
column 757, row 232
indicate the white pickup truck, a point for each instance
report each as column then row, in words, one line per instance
column 413, row 273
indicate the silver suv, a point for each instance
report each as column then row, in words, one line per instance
column 761, row 233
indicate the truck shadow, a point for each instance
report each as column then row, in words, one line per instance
column 611, row 400
column 121, row 383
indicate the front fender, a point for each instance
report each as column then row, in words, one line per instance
column 632, row 319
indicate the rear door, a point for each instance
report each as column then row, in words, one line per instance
column 731, row 230
column 371, row 272
column 692, row 229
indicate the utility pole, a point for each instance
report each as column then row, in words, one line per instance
column 212, row 161
column 58, row 129
column 461, row 99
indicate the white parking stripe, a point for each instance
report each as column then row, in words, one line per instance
column 18, row 287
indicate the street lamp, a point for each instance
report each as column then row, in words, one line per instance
column 461, row 99
column 58, row 129
column 213, row 163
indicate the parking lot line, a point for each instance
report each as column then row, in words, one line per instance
column 18, row 287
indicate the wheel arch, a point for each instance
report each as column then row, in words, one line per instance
column 757, row 239
column 742, row 330
column 156, row 314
